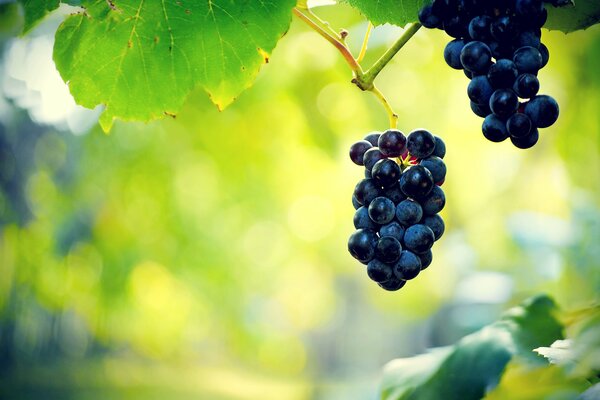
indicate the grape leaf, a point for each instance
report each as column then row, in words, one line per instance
column 36, row 10
column 395, row 12
column 475, row 364
column 569, row 18
column 142, row 58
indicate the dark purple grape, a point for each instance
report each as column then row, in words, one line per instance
column 504, row 103
column 371, row 157
column 382, row 210
column 379, row 271
column 373, row 138
column 494, row 128
column 542, row 110
column 392, row 284
column 409, row 212
column 519, row 125
column 357, row 151
column 386, row 172
column 416, row 181
column 434, row 202
column 420, row 143
column 366, row 190
column 361, row 245
column 502, row 74
column 392, row 142
column 388, row 250
column 436, row 224
column 452, row 53
column 408, row 266
column 526, row 86
column 526, row 142
column 476, row 56
column 480, row 90
column 528, row 59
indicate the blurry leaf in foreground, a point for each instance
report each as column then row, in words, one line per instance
column 592, row 393
column 475, row 364
column 580, row 354
column 560, row 352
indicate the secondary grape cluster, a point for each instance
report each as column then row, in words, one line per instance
column 397, row 204
column 498, row 45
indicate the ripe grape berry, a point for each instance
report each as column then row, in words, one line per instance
column 397, row 205
column 498, row 45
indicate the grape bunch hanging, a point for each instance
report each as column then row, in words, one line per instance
column 498, row 45
column 397, row 204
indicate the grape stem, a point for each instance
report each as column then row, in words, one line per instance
column 393, row 117
column 362, row 79
column 363, row 49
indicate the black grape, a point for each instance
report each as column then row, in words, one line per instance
column 388, row 249
column 418, row 238
column 361, row 245
column 436, row 166
column 386, row 172
column 382, row 210
column 365, row 191
column 440, row 148
column 494, row 128
column 434, row 202
column 452, row 53
column 503, row 73
column 408, row 266
column 504, row 103
column 357, row 151
column 480, row 90
column 397, row 204
column 526, row 86
column 436, row 224
column 526, row 142
column 420, row 143
column 416, row 181
column 476, row 56
column 363, row 221
column 528, row 59
column 543, row 111
column 379, row 271
column 519, row 125
column 498, row 44
column 391, row 143
column 371, row 156
column 409, row 212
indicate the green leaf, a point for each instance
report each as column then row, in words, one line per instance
column 36, row 10
column 583, row 14
column 396, row 12
column 475, row 364
column 592, row 393
column 142, row 58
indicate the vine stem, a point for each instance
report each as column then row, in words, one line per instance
column 331, row 37
column 367, row 78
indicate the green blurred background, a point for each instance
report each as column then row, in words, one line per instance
column 205, row 256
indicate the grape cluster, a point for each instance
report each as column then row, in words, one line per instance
column 397, row 204
column 498, row 45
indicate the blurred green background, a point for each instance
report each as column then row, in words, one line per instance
column 205, row 256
